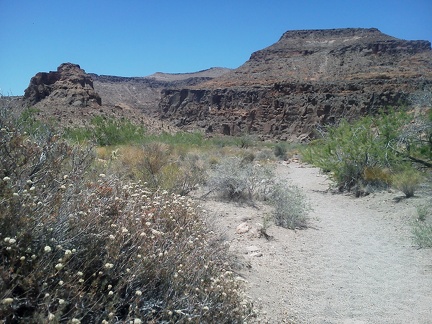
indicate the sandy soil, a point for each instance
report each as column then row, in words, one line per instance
column 356, row 263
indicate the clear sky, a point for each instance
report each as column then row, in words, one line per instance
column 140, row 37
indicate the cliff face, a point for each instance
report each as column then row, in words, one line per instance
column 305, row 79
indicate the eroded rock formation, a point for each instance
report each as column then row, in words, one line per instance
column 69, row 85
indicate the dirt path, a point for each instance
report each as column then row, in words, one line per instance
column 355, row 264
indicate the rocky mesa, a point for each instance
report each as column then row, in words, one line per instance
column 307, row 78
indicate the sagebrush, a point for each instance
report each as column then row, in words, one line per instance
column 245, row 180
column 240, row 179
column 290, row 206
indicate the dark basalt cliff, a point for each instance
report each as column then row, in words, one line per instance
column 307, row 78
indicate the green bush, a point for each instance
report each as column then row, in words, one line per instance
column 424, row 211
column 75, row 247
column 349, row 151
column 422, row 232
column 158, row 165
column 107, row 132
column 183, row 175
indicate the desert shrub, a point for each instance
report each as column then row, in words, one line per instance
column 179, row 139
column 422, row 227
column 280, row 150
column 238, row 179
column 290, row 206
column 28, row 123
column 422, row 232
column 265, row 154
column 156, row 157
column 157, row 165
column 245, row 141
column 248, row 157
column 377, row 176
column 352, row 152
column 183, row 174
column 419, row 133
column 424, row 211
column 76, row 247
column 107, row 132
column 407, row 181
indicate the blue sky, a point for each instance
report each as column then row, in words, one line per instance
column 140, row 37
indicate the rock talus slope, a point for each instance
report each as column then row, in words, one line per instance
column 307, row 78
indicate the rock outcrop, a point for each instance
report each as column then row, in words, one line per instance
column 68, row 86
column 308, row 78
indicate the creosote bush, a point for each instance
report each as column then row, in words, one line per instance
column 76, row 247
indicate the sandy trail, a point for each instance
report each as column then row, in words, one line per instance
column 355, row 264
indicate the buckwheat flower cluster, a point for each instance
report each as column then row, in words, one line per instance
column 109, row 265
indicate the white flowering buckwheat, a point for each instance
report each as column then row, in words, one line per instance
column 7, row 301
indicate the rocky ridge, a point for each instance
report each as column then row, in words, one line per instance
column 145, row 92
column 307, row 78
